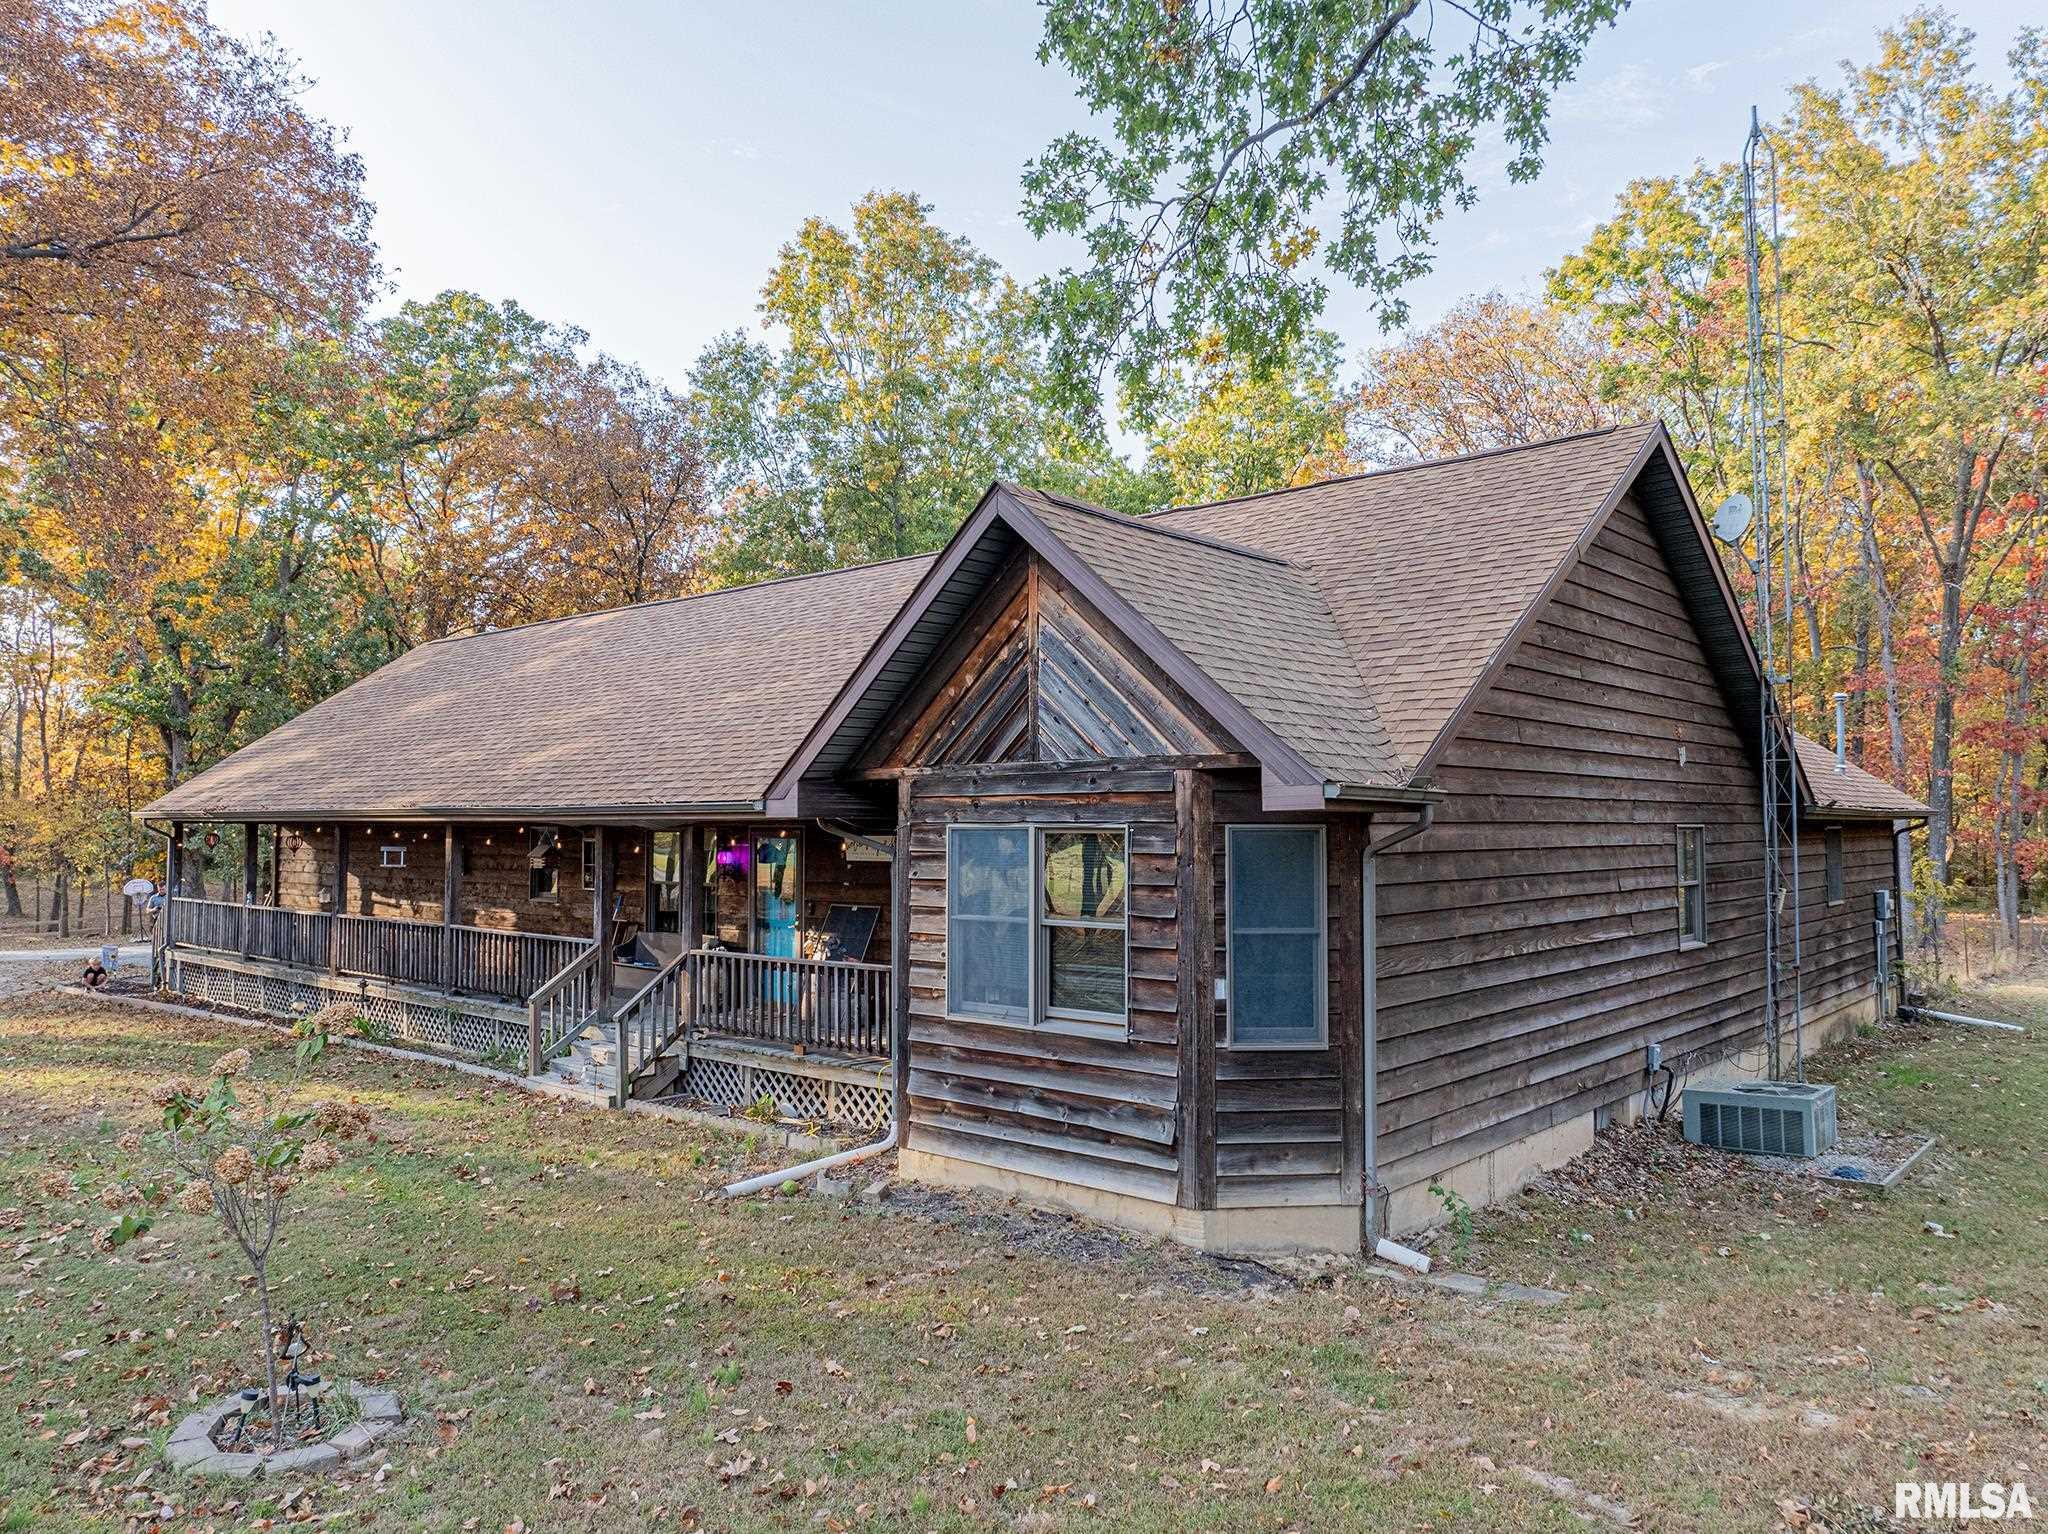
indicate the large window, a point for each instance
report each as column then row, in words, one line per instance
column 1275, row 937
column 1036, row 924
column 1831, row 840
column 1692, row 886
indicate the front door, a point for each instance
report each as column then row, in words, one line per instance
column 777, row 894
column 778, row 908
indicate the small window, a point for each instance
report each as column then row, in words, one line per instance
column 1081, row 925
column 1831, row 840
column 1275, row 937
column 543, row 863
column 390, row 857
column 1692, row 886
column 988, row 923
column 590, row 860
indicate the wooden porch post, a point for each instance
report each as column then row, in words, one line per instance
column 340, row 903
column 174, row 878
column 601, row 933
column 899, row 966
column 451, row 902
column 690, row 909
column 248, row 881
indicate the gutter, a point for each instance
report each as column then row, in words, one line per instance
column 1374, row 1211
column 622, row 814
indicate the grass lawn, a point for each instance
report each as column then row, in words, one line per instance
column 584, row 1342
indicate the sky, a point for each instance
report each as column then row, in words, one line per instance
column 631, row 167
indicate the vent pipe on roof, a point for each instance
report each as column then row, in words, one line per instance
column 1841, row 732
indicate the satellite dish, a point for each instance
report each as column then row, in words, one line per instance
column 1733, row 518
column 136, row 887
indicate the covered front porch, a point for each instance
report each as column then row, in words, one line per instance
column 741, row 964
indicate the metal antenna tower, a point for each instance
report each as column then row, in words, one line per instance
column 1766, row 431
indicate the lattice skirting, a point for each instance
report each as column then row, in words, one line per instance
column 732, row 1085
column 436, row 1025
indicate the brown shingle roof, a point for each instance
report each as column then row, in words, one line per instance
column 695, row 701
column 1852, row 791
column 1427, row 568
column 1255, row 624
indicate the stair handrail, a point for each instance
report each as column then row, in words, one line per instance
column 647, row 1030
column 568, row 1014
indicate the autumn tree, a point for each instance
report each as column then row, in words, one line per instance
column 1235, row 132
column 1222, row 430
column 1491, row 373
column 1917, row 197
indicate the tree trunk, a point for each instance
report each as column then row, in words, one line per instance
column 1881, row 610
column 13, row 888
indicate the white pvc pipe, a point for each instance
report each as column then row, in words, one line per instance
column 1406, row 1256
column 1957, row 1017
column 805, row 1169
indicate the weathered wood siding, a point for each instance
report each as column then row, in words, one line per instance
column 1032, row 674
column 1289, row 1122
column 494, row 876
column 1839, row 941
column 1528, row 944
column 1097, row 1111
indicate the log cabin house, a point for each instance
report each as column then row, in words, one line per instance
column 1232, row 873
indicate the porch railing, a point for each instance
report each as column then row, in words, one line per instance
column 483, row 961
column 650, row 1021
column 567, row 1003
column 817, row 1003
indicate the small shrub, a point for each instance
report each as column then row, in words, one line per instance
column 1459, row 1213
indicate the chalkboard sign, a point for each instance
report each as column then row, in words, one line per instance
column 847, row 932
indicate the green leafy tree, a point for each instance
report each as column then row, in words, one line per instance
column 906, row 377
column 1237, row 129
column 1224, row 430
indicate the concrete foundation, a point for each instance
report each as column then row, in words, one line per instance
column 1505, row 1170
column 1488, row 1178
column 1275, row 1229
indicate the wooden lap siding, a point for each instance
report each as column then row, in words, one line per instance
column 1839, row 941
column 1096, row 1111
column 1528, row 943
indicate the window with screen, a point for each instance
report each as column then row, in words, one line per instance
column 988, row 923
column 1831, row 841
column 1275, row 937
column 1692, row 886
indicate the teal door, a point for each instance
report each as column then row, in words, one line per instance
column 778, row 896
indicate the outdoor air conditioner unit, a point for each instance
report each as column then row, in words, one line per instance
column 1763, row 1118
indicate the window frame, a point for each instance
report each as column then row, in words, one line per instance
column 1042, row 925
column 1231, row 833
column 1037, row 981
column 385, row 858
column 1836, row 885
column 540, row 839
column 1691, row 937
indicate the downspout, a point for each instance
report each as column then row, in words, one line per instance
column 811, row 1168
column 1375, row 1212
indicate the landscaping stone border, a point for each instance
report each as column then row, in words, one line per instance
column 193, row 1452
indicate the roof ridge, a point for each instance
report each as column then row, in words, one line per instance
column 1124, row 519
column 1402, row 468
column 688, row 596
